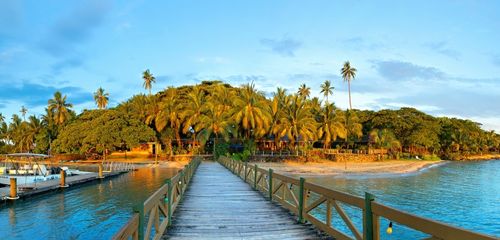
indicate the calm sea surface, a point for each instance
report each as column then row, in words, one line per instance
column 91, row 211
column 462, row 194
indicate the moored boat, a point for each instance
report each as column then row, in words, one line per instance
column 27, row 168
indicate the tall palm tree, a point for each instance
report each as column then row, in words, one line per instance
column 348, row 74
column 149, row 79
column 249, row 111
column 327, row 89
column 101, row 98
column 354, row 128
column 23, row 112
column 304, row 91
column 60, row 108
column 2, row 118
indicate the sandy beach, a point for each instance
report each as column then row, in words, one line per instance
column 338, row 168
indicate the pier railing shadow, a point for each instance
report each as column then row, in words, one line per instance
column 318, row 204
column 151, row 218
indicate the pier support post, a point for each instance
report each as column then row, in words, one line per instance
column 63, row 179
column 270, row 185
column 100, row 175
column 13, row 189
column 368, row 217
column 301, row 200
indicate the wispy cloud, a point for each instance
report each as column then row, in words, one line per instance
column 10, row 16
column 285, row 47
column 75, row 28
column 34, row 95
column 72, row 62
column 397, row 70
column 359, row 43
column 496, row 60
column 442, row 48
column 7, row 55
column 216, row 60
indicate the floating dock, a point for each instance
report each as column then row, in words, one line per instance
column 51, row 185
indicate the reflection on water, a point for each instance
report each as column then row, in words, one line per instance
column 462, row 194
column 90, row 211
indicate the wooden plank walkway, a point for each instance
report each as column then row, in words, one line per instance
column 219, row 205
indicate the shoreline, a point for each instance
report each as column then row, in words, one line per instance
column 337, row 169
column 482, row 157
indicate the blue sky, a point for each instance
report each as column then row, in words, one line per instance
column 442, row 57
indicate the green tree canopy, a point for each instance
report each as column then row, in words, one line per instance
column 97, row 130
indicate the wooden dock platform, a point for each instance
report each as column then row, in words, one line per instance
column 51, row 185
column 219, row 205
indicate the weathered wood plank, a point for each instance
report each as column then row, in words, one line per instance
column 219, row 205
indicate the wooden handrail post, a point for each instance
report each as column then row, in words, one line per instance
column 170, row 199
column 255, row 177
column 13, row 188
column 301, row 200
column 368, row 217
column 270, row 188
column 140, row 210
column 328, row 213
column 246, row 166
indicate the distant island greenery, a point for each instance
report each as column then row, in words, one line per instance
column 186, row 119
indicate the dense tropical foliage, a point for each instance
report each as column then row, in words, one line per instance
column 188, row 118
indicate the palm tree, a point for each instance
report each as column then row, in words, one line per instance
column 50, row 126
column 15, row 131
column 60, row 109
column 331, row 125
column 275, row 110
column 170, row 111
column 191, row 111
column 149, row 79
column 249, row 111
column 214, row 120
column 23, row 112
column 297, row 122
column 354, row 128
column 348, row 74
column 2, row 118
column 304, row 91
column 101, row 98
column 32, row 129
column 327, row 89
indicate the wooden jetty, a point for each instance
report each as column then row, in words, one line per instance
column 51, row 185
column 218, row 205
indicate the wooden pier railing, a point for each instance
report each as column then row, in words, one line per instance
column 156, row 211
column 303, row 198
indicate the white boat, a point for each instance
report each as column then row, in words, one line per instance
column 27, row 170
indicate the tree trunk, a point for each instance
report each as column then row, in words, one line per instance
column 349, row 87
